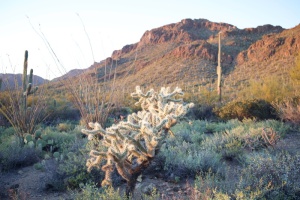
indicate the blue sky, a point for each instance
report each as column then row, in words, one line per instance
column 111, row 25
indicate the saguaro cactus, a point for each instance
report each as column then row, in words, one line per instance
column 27, row 86
column 219, row 70
column 132, row 144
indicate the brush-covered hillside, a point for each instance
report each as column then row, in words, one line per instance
column 187, row 51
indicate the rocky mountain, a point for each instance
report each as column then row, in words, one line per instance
column 187, row 51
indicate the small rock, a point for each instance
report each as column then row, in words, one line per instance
column 139, row 179
column 148, row 189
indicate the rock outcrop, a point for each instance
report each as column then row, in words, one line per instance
column 272, row 46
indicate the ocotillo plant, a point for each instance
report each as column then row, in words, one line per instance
column 132, row 144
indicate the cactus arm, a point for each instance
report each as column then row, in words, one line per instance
column 24, row 79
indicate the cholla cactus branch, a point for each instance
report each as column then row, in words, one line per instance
column 97, row 130
column 132, row 144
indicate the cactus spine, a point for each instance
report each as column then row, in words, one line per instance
column 219, row 70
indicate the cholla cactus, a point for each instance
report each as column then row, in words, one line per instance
column 132, row 144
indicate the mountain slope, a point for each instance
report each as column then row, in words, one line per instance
column 186, row 52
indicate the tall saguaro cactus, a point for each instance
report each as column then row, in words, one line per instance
column 27, row 86
column 219, row 70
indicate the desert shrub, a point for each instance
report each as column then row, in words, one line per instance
column 202, row 112
column 185, row 160
column 72, row 169
column 8, row 132
column 280, row 127
column 193, row 149
column 183, row 155
column 236, row 138
column 289, row 109
column 55, row 141
column 14, row 156
column 253, row 109
column 60, row 110
column 269, row 88
column 209, row 185
column 229, row 146
column 6, row 135
column 276, row 175
column 294, row 72
column 65, row 126
column 90, row 191
column 185, row 128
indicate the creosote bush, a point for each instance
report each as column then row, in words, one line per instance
column 253, row 109
column 13, row 156
column 289, row 109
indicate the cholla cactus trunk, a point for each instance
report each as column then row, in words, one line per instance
column 132, row 144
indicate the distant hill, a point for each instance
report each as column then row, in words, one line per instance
column 70, row 74
column 12, row 80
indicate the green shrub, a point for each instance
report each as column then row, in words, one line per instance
column 234, row 138
column 55, row 141
column 209, row 185
column 229, row 146
column 8, row 132
column 91, row 192
column 65, row 127
column 61, row 110
column 277, row 175
column 184, row 156
column 202, row 112
column 72, row 170
column 253, row 109
column 289, row 109
column 6, row 136
column 14, row 156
